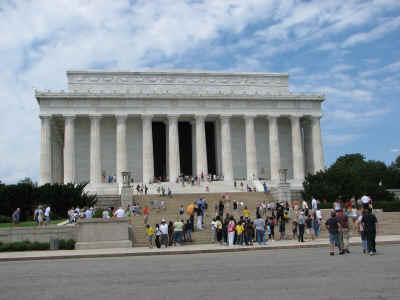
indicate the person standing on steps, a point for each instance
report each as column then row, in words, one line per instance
column 231, row 231
column 158, row 236
column 164, row 233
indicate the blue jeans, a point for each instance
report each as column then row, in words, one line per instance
column 240, row 239
column 178, row 236
column 334, row 239
column 261, row 237
column 316, row 230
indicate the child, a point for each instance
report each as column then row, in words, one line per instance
column 150, row 232
column 294, row 229
column 158, row 235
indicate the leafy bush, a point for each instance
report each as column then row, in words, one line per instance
column 98, row 213
column 67, row 244
column 5, row 219
column 34, row 246
column 387, row 205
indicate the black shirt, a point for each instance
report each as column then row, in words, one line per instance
column 369, row 221
column 333, row 225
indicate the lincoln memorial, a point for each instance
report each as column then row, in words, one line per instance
column 164, row 124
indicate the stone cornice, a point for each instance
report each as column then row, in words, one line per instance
column 190, row 96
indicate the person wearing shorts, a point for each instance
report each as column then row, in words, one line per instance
column 332, row 224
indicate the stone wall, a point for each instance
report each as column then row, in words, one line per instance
column 37, row 234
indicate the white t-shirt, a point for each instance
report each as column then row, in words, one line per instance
column 314, row 203
column 47, row 211
column 365, row 199
column 88, row 214
column 120, row 213
column 164, row 228
column 106, row 215
column 214, row 225
column 318, row 213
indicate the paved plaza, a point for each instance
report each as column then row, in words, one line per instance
column 276, row 274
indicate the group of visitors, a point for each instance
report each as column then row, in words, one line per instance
column 42, row 215
column 339, row 228
column 170, row 234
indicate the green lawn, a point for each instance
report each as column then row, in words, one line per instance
column 29, row 223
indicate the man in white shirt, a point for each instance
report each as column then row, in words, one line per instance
column 120, row 213
column 314, row 204
column 164, row 233
column 47, row 214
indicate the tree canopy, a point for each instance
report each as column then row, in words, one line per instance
column 352, row 176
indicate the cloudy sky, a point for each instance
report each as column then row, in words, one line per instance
column 348, row 50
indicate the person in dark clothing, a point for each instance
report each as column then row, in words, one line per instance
column 369, row 222
column 225, row 228
column 332, row 224
column 221, row 209
column 170, row 233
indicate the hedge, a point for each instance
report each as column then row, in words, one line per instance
column 5, row 219
column 387, row 205
column 34, row 246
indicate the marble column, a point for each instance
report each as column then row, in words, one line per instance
column 217, row 140
column 251, row 157
column 95, row 150
column 193, row 128
column 201, row 147
column 308, row 147
column 318, row 155
column 148, row 161
column 173, row 148
column 226, row 148
column 121, row 147
column 297, row 150
column 275, row 157
column 45, row 150
column 69, row 149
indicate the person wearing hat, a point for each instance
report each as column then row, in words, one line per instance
column 164, row 233
column 301, row 222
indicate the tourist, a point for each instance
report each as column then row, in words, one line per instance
column 199, row 212
column 163, row 205
column 239, row 233
column 282, row 229
column 344, row 235
column 149, row 233
column 170, row 233
column 272, row 226
column 246, row 213
column 369, row 222
column 16, row 216
column 354, row 217
column 188, row 230
column 309, row 226
column 362, row 232
column 314, row 204
column 221, row 209
column 231, row 231
column 158, row 236
column 106, row 214
column 259, row 223
column 336, row 205
column 88, row 213
column 146, row 189
column 316, row 225
column 181, row 210
column 213, row 230
column 294, row 229
column 146, row 214
column 249, row 230
column 178, row 228
column 151, row 203
column 157, row 205
column 218, row 227
column 169, row 192
column 318, row 213
column 38, row 216
column 332, row 224
column 47, row 215
column 120, row 213
column 164, row 233
column 301, row 221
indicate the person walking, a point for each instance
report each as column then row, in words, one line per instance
column 362, row 232
column 344, row 235
column 16, row 216
column 369, row 222
column 158, row 235
column 316, row 225
column 332, row 224
column 149, row 233
column 218, row 226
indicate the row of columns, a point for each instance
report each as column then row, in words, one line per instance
column 173, row 148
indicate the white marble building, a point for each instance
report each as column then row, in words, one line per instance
column 167, row 123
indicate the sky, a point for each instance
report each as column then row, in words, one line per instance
column 348, row 50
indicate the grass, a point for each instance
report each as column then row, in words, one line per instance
column 29, row 224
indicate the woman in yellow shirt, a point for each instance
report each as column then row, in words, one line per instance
column 149, row 234
column 239, row 233
column 246, row 212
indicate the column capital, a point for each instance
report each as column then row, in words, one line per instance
column 173, row 117
column 69, row 117
column 295, row 117
column 147, row 116
column 249, row 116
column 200, row 117
column 225, row 117
column 121, row 117
column 95, row 117
column 45, row 116
column 272, row 117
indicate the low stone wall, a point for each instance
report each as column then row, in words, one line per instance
column 37, row 234
column 100, row 233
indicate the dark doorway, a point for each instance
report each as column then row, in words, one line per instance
column 185, row 147
column 210, row 143
column 159, row 150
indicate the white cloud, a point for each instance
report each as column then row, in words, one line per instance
column 374, row 34
column 340, row 139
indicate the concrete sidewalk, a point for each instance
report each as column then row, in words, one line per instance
column 187, row 249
